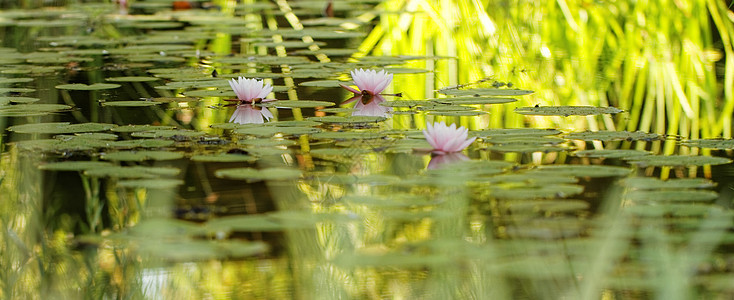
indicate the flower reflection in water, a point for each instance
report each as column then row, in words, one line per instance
column 441, row 160
column 246, row 114
column 250, row 91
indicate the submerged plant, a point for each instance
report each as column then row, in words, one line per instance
column 447, row 139
column 369, row 96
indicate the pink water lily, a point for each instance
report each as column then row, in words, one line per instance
column 370, row 83
column 447, row 139
column 250, row 90
column 246, row 113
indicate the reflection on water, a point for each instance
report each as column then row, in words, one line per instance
column 123, row 179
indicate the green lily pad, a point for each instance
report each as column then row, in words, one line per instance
column 536, row 192
column 649, row 183
column 296, row 103
column 485, row 92
column 680, row 195
column 17, row 99
column 614, row 136
column 87, row 87
column 325, row 83
column 251, row 174
column 132, row 79
column 136, row 128
column 266, row 142
column 174, row 134
column 710, row 143
column 473, row 100
column 74, row 165
column 451, row 113
column 132, row 103
column 268, row 131
column 546, row 206
column 676, row 160
column 224, row 157
column 142, row 155
column 582, row 170
column 347, row 120
column 60, row 127
column 132, row 172
column 610, row 153
column 525, row 132
column 566, row 110
column 142, row 143
column 150, row 183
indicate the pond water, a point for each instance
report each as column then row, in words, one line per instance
column 122, row 176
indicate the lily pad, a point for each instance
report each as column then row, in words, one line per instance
column 566, row 110
column 132, row 172
column 87, row 87
column 680, row 195
column 582, row 170
column 268, row 131
column 297, row 103
column 132, row 103
column 132, row 79
column 224, row 157
column 74, row 165
column 60, row 127
column 610, row 153
column 614, row 136
column 347, row 120
column 142, row 155
column 251, row 174
column 676, row 160
column 150, row 183
column 649, row 183
column 710, row 143
column 485, row 92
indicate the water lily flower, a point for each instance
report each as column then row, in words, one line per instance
column 246, row 113
column 447, row 139
column 371, row 84
column 249, row 90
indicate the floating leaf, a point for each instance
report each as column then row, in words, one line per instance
column 136, row 128
column 525, row 132
column 74, row 165
column 61, row 127
column 251, row 174
column 610, row 153
column 535, row 192
column 485, row 92
column 150, row 183
column 142, row 155
column 297, row 103
column 566, row 110
column 87, row 87
column 582, row 170
column 458, row 113
column 473, row 100
column 131, row 103
column 546, row 206
column 269, row 131
column 710, row 143
column 224, row 157
column 649, row 183
column 676, row 160
column 131, row 172
column 614, row 136
column 142, row 143
column 17, row 99
column 672, row 196
column 132, row 79
column 350, row 119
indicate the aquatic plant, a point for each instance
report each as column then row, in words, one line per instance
column 447, row 139
column 250, row 91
